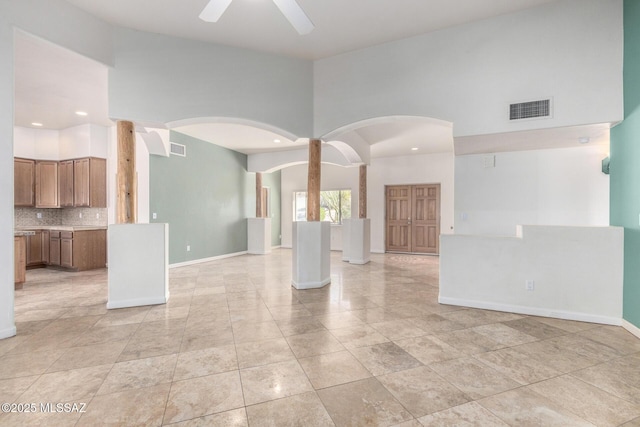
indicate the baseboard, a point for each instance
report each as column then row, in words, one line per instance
column 201, row 260
column 359, row 261
column 137, row 302
column 631, row 328
column 311, row 285
column 8, row 333
column 532, row 311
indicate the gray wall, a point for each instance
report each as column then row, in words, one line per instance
column 206, row 197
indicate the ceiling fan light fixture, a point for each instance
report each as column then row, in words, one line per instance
column 295, row 15
column 214, row 10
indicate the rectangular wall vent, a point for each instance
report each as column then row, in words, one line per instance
column 178, row 149
column 530, row 110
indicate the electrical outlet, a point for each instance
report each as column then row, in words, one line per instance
column 80, row 215
column 97, row 216
column 188, row 248
column 530, row 285
column 154, row 215
column 39, row 215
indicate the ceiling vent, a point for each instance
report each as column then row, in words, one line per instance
column 530, row 110
column 178, row 149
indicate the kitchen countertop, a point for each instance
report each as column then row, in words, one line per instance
column 18, row 233
column 61, row 227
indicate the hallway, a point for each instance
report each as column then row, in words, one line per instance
column 237, row 345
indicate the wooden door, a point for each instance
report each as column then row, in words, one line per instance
column 398, row 218
column 413, row 218
column 425, row 224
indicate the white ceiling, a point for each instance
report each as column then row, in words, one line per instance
column 51, row 83
column 340, row 25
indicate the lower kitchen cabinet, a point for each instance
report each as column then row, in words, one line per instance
column 83, row 250
column 34, row 249
column 20, row 257
column 66, row 249
column 54, row 248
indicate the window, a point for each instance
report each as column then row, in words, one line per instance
column 335, row 205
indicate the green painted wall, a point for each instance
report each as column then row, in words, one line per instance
column 625, row 164
column 206, row 197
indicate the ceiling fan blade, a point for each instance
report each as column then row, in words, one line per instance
column 296, row 16
column 214, row 10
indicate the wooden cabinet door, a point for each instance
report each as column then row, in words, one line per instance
column 24, row 175
column 20, row 255
column 34, row 249
column 66, row 252
column 46, row 184
column 97, row 183
column 45, row 246
column 398, row 218
column 65, row 172
column 54, row 248
column 81, row 182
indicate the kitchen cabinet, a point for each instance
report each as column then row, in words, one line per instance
column 24, row 175
column 66, row 249
column 54, row 248
column 45, row 246
column 46, row 184
column 20, row 260
column 90, row 182
column 83, row 250
column 34, row 249
column 65, row 183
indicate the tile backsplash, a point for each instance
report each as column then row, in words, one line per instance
column 27, row 217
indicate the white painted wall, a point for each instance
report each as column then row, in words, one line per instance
column 43, row 144
column 544, row 187
column 160, row 79
column 39, row 144
column 469, row 74
column 577, row 272
column 415, row 169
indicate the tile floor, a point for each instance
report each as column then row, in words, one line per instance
column 237, row 346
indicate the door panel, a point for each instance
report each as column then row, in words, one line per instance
column 413, row 218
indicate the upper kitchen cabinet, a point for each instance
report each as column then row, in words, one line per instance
column 24, row 175
column 65, row 181
column 46, row 184
column 90, row 182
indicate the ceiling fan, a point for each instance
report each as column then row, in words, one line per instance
column 289, row 8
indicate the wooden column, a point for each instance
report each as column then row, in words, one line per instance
column 313, row 182
column 259, row 205
column 127, row 200
column 362, row 193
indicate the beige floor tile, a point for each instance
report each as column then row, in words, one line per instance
column 503, row 334
column 19, row 365
column 123, row 316
column 618, row 377
column 139, row 374
column 468, row 415
column 434, row 324
column 40, row 419
column 300, row 326
column 151, row 346
column 339, row 320
column 588, row 402
column 633, row 423
column 314, row 343
column 76, row 385
column 570, row 326
column 531, row 326
column 422, row 391
column 331, row 369
column 208, row 361
column 473, row 377
column 275, row 381
column 358, row 336
column 99, row 335
column 524, row 408
column 468, row 341
column 428, row 349
column 203, row 396
column 91, row 355
column 517, row 366
column 384, row 358
column 615, row 337
column 364, row 402
column 137, row 407
column 257, row 353
column 249, row 331
column 197, row 340
column 233, row 418
column 398, row 329
column 300, row 410
column 12, row 388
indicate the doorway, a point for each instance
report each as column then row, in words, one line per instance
column 412, row 218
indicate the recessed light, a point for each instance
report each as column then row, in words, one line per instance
column 36, row 124
column 584, row 140
column 82, row 113
column 414, row 149
column 276, row 141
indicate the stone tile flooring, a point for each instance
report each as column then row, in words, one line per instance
column 236, row 345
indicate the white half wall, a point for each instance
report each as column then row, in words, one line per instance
column 414, row 169
column 545, row 187
column 576, row 272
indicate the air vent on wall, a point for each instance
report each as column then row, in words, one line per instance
column 178, row 149
column 530, row 110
